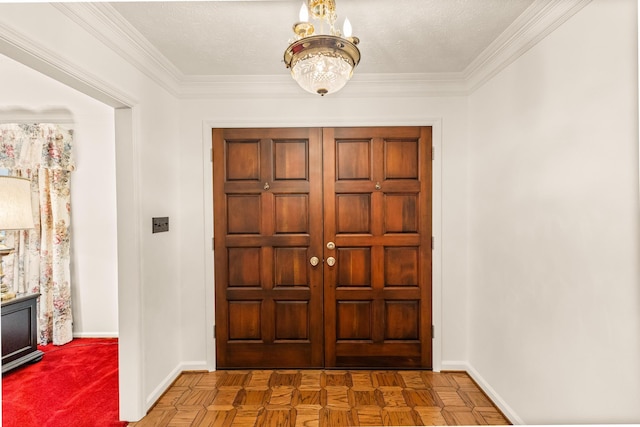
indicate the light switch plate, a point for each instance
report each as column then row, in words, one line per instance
column 160, row 224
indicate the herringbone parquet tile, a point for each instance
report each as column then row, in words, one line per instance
column 301, row 398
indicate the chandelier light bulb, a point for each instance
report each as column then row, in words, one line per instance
column 304, row 13
column 347, row 30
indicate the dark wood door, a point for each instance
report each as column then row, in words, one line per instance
column 377, row 203
column 359, row 199
column 268, row 225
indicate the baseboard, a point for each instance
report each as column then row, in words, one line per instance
column 198, row 365
column 95, row 335
column 162, row 387
column 454, row 365
column 169, row 379
column 506, row 410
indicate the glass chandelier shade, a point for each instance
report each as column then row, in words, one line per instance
column 324, row 63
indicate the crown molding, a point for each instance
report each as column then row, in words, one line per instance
column 361, row 86
column 538, row 21
column 108, row 26
column 408, row 85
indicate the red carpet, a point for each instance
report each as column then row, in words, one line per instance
column 74, row 385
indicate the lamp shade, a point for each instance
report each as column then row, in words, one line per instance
column 15, row 203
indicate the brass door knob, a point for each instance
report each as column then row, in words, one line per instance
column 331, row 261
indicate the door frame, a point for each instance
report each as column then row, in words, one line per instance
column 436, row 214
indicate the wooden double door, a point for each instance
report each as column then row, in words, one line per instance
column 322, row 247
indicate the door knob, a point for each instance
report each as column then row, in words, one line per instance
column 331, row 245
column 314, row 261
column 331, row 261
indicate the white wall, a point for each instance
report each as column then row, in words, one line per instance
column 29, row 95
column 554, row 223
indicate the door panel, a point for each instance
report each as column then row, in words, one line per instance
column 268, row 210
column 280, row 197
column 377, row 201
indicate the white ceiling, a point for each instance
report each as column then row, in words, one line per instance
column 231, row 38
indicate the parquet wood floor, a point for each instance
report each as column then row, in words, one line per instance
column 306, row 398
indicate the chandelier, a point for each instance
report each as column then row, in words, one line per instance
column 321, row 62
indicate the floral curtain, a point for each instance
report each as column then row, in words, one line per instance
column 41, row 261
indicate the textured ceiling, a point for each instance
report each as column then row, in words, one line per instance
column 249, row 37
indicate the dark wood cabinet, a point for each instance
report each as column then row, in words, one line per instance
column 19, row 332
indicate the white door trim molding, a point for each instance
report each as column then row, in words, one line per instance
column 207, row 167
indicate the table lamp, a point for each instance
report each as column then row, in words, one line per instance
column 15, row 214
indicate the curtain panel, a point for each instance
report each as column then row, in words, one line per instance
column 41, row 261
